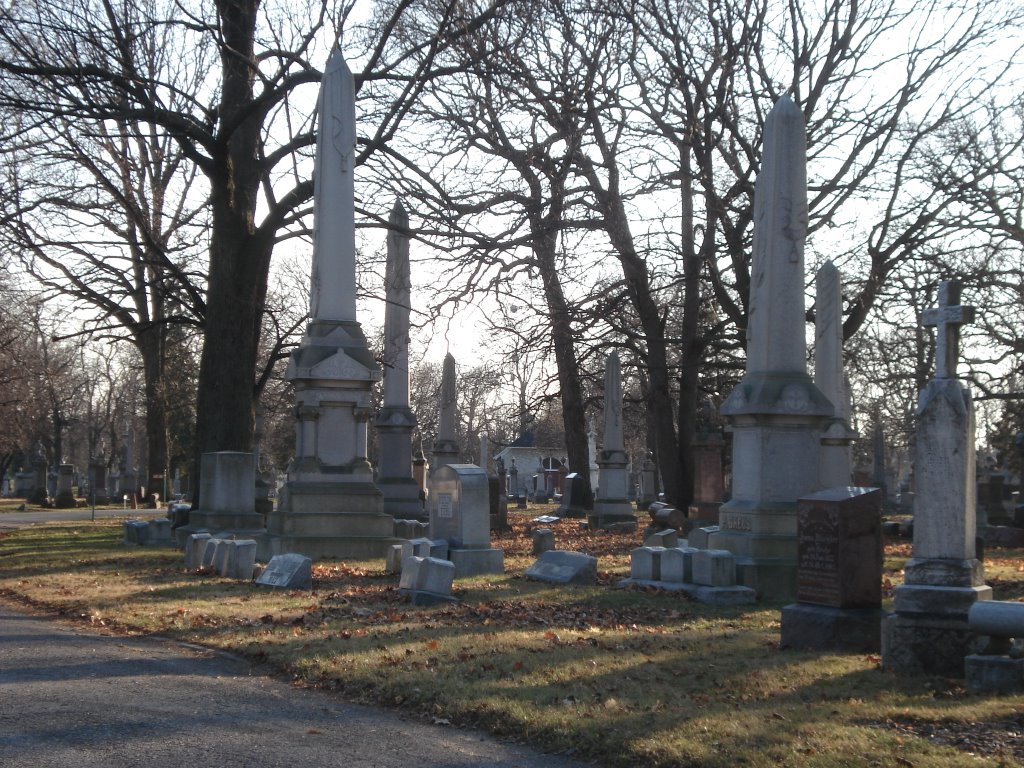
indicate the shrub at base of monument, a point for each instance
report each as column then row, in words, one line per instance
column 559, row 567
column 839, row 572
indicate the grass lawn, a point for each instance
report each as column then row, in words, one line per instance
column 618, row 677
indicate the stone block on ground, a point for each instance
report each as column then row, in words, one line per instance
column 561, row 567
column 195, row 545
column 427, row 580
column 288, row 571
column 698, row 538
column 136, row 531
column 543, row 540
column 645, row 563
column 714, row 568
column 1006, row 536
column 820, row 627
column 393, row 559
column 475, row 562
column 666, row 538
column 994, row 674
column 160, row 534
column 677, row 565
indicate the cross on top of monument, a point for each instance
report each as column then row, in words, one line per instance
column 947, row 319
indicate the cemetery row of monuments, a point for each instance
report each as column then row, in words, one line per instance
column 793, row 529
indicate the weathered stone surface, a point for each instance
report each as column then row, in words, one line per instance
column 714, row 568
column 985, row 673
column 560, row 567
column 677, row 565
column 666, row 538
column 427, row 580
column 927, row 644
column 543, row 540
column 645, row 563
column 839, row 548
column 822, row 627
column 698, row 537
column 288, row 571
column 195, row 545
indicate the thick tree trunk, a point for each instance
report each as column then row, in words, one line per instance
column 150, row 343
column 690, row 352
column 574, row 418
column 238, row 258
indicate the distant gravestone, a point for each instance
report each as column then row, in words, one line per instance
column 839, row 572
column 667, row 538
column 459, row 514
column 135, row 531
column 559, row 567
column 497, row 504
column 288, row 571
column 543, row 540
column 576, row 500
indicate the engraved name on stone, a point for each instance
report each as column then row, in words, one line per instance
column 734, row 522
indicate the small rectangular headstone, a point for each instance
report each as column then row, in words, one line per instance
column 645, row 563
column 288, row 571
column 666, row 538
column 427, row 580
column 244, row 561
column 677, row 565
column 698, row 537
column 561, row 567
column 714, row 568
column 543, row 540
column 136, row 531
column 160, row 533
column 393, row 559
column 195, row 545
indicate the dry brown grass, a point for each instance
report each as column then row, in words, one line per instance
column 621, row 677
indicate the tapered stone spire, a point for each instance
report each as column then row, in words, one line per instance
column 829, row 377
column 395, row 420
column 333, row 288
column 446, row 446
column 775, row 324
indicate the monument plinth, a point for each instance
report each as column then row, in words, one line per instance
column 612, row 504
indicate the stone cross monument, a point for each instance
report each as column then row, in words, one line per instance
column 928, row 632
column 330, row 506
column 611, row 504
column 777, row 413
column 395, row 420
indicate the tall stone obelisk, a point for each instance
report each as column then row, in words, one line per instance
column 330, row 505
column 395, row 420
column 835, row 468
column 777, row 413
column 611, row 504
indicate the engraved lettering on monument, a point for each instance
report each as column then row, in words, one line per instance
column 818, row 556
column 444, row 505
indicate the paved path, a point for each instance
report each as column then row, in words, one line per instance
column 72, row 697
column 10, row 521
column 75, row 698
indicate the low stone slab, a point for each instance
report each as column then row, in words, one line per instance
column 288, row 571
column 236, row 558
column 195, row 545
column 645, row 563
column 821, row 627
column 476, row 561
column 560, row 567
column 993, row 674
column 393, row 559
column 427, row 580
column 714, row 568
column 677, row 564
column 735, row 595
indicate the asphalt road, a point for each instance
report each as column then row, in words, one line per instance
column 72, row 697
column 10, row 521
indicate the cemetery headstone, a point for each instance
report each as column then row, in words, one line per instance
column 577, row 500
column 287, row 571
column 561, row 567
column 459, row 514
column 195, row 545
column 427, row 580
column 839, row 572
column 928, row 631
column 612, row 504
column 543, row 540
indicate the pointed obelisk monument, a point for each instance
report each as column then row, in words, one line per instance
column 611, row 504
column 395, row 420
column 446, row 444
column 776, row 412
column 835, row 469
column 928, row 631
column 330, row 506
